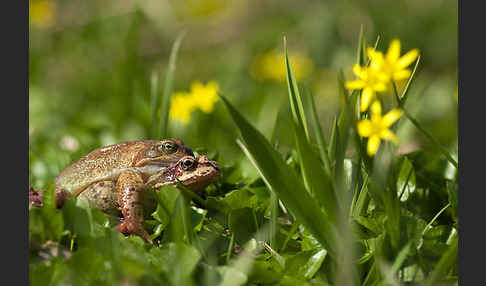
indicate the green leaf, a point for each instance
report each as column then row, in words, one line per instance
column 243, row 224
column 45, row 224
column 234, row 275
column 240, row 199
column 448, row 259
column 282, row 180
column 78, row 219
column 314, row 263
column 177, row 260
column 453, row 193
column 406, row 180
column 166, row 198
column 262, row 272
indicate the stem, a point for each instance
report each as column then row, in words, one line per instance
column 417, row 125
column 230, row 248
column 434, row 218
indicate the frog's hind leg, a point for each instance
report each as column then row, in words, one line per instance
column 129, row 191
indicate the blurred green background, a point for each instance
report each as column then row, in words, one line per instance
column 91, row 64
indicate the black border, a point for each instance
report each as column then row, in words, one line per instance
column 15, row 138
column 471, row 142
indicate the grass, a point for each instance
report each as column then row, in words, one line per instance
column 307, row 207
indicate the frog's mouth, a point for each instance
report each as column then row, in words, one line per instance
column 159, row 163
column 211, row 164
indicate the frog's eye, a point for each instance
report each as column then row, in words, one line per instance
column 187, row 164
column 168, row 147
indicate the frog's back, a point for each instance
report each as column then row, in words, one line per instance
column 104, row 163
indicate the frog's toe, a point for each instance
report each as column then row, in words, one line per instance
column 131, row 227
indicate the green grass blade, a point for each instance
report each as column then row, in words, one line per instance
column 321, row 143
column 361, row 205
column 405, row 93
column 154, row 102
column 333, row 141
column 282, row 180
column 273, row 218
column 400, row 259
column 318, row 181
column 361, row 54
column 169, row 79
column 296, row 103
column 352, row 112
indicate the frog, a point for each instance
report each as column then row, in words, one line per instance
column 120, row 170
column 194, row 174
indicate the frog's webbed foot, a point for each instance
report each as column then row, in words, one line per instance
column 132, row 227
column 129, row 190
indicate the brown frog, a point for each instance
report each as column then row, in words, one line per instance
column 193, row 173
column 121, row 171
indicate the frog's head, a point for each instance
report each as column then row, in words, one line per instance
column 164, row 153
column 193, row 173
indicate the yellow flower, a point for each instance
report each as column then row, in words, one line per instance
column 42, row 13
column 393, row 65
column 371, row 80
column 382, row 69
column 377, row 128
column 181, row 107
column 204, row 97
column 271, row 66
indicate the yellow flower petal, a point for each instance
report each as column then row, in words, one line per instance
column 380, row 86
column 365, row 128
column 181, row 107
column 367, row 96
column 402, row 74
column 204, row 97
column 393, row 53
column 355, row 84
column 386, row 134
column 391, row 117
column 373, row 144
column 196, row 86
column 407, row 59
column 376, row 111
column 372, row 53
column 359, row 71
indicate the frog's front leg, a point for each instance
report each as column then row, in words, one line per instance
column 129, row 190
